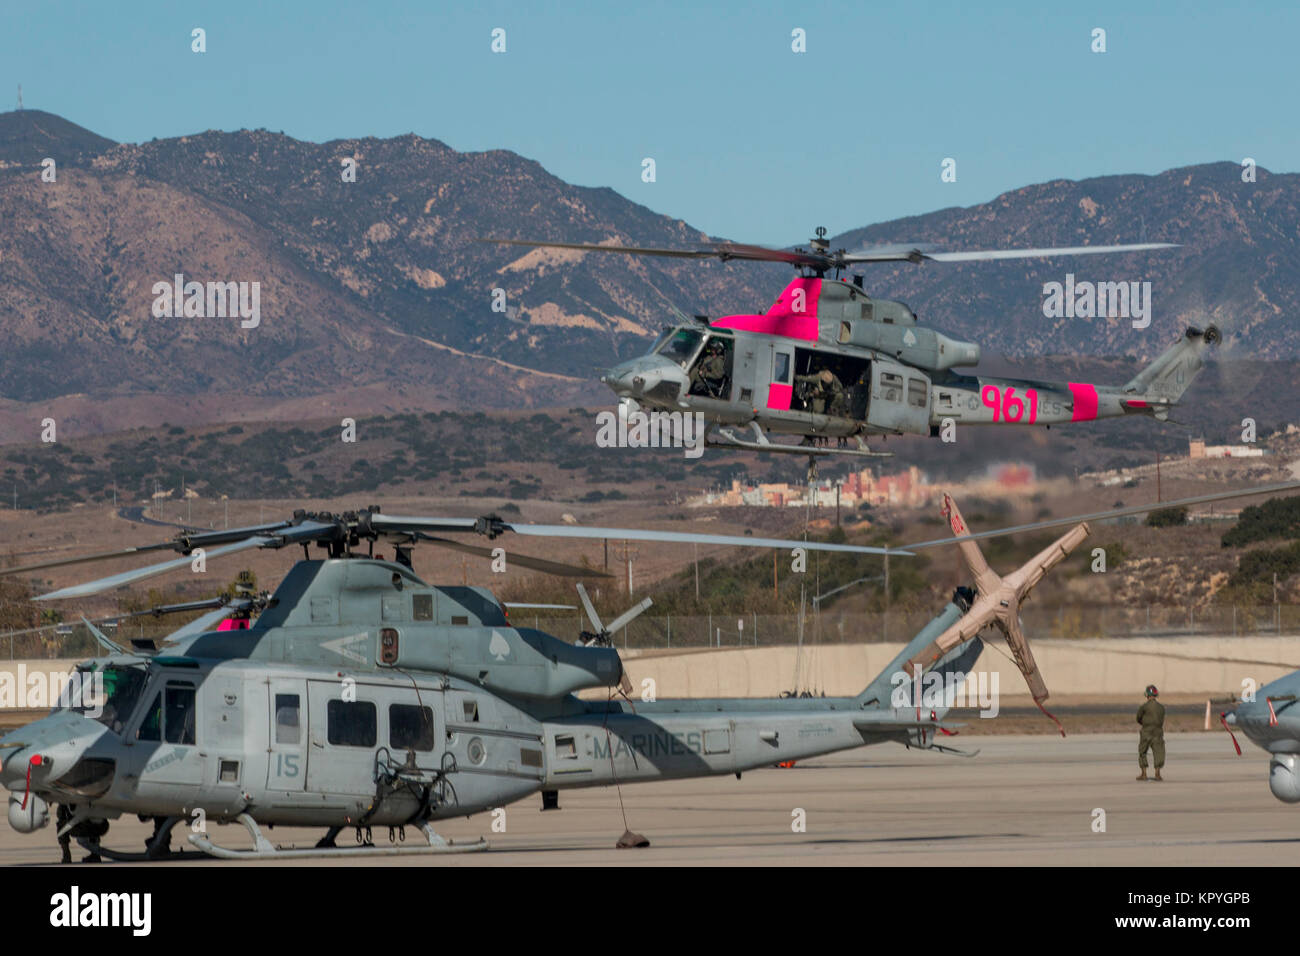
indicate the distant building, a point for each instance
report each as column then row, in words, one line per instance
column 1198, row 449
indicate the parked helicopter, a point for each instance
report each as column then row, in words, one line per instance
column 361, row 696
column 1271, row 722
column 827, row 360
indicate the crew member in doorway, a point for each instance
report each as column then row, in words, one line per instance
column 825, row 393
column 710, row 372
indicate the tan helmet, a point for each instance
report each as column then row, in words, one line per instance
column 826, row 375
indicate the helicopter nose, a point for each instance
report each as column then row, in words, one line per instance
column 649, row 377
column 45, row 750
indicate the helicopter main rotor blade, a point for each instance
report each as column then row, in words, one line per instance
column 524, row 561
column 162, row 609
column 86, row 558
column 919, row 253
column 590, row 608
column 1114, row 513
column 628, row 616
column 631, row 534
column 148, row 571
column 723, row 251
column 184, row 541
column 200, row 625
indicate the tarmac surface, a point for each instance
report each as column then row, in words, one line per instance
column 1023, row 800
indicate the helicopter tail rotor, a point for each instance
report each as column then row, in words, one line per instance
column 998, row 603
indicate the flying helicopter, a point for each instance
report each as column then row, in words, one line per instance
column 361, row 696
column 827, row 360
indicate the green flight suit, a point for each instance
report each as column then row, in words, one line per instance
column 1151, row 715
column 709, row 374
column 825, row 397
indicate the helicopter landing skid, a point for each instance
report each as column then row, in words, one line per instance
column 759, row 442
column 263, row 849
column 158, row 847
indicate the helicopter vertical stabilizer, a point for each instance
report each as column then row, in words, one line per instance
column 1165, row 379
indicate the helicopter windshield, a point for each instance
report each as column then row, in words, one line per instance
column 680, row 346
column 108, row 696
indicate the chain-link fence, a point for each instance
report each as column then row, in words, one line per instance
column 765, row 630
column 74, row 641
column 836, row 627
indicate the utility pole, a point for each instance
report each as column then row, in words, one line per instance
column 1158, row 498
column 697, row 570
column 20, row 97
column 885, row 632
column 837, row 504
column 774, row 575
column 628, row 553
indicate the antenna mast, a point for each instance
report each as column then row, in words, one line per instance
column 20, row 97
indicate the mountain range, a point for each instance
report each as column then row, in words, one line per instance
column 375, row 296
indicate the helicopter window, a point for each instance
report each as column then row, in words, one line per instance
column 781, row 367
column 351, row 724
column 422, row 607
column 892, row 386
column 681, row 346
column 178, row 720
column 917, row 393
column 119, row 689
column 410, row 727
column 151, row 726
column 288, row 728
column 565, row 748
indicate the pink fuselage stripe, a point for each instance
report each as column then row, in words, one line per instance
column 778, row 396
column 1085, row 401
column 783, row 318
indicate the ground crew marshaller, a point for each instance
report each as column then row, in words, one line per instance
column 1151, row 715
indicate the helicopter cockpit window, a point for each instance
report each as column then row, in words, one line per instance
column 351, row 723
column 151, row 725
column 109, row 695
column 681, row 346
column 178, row 719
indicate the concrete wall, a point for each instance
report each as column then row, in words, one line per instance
column 1111, row 667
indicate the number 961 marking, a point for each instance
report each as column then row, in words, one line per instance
column 1007, row 405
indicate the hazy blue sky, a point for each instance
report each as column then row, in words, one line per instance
column 752, row 141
